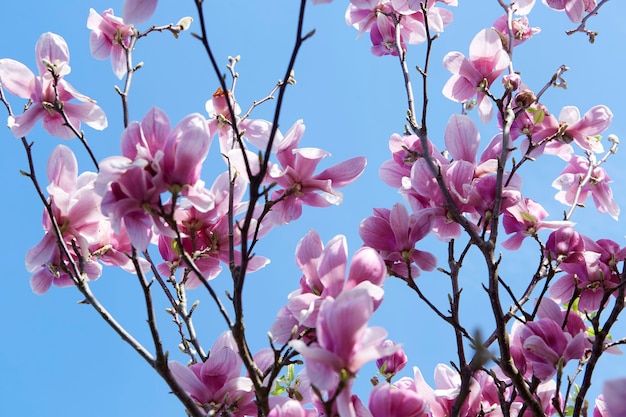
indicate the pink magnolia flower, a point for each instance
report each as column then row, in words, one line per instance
column 589, row 277
column 569, row 182
column 206, row 235
column 521, row 29
column 548, row 343
column 565, row 245
column 155, row 160
column 614, row 392
column 291, row 408
column 344, row 344
column 525, row 219
column 470, row 76
column 52, row 54
column 396, row 401
column 110, row 36
column 324, row 275
column 394, row 234
column 573, row 8
column 138, row 11
column 75, row 208
column 216, row 384
column 391, row 364
column 298, row 181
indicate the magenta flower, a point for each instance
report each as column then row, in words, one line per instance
column 109, row 37
column 138, row 11
column 155, row 160
column 75, row 208
column 569, row 182
column 391, row 364
column 487, row 60
column 394, row 234
column 588, row 276
column 52, row 54
column 300, row 185
column 548, row 344
column 216, row 384
column 396, row 401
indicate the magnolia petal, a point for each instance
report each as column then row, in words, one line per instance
column 138, row 11
column 16, row 78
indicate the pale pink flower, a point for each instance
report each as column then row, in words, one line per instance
column 586, row 130
column 291, row 408
column 206, row 235
column 75, row 206
column 110, row 36
column 362, row 14
column 470, row 76
column 568, row 184
column 138, row 11
column 520, row 28
column 52, row 54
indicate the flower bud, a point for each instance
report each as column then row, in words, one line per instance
column 525, row 98
column 391, row 364
column 184, row 23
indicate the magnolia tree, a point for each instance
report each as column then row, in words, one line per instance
column 159, row 209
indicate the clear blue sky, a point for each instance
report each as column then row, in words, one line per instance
column 57, row 358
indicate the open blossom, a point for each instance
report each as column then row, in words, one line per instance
column 154, row 160
column 216, row 384
column 569, row 182
column 520, row 29
column 575, row 9
column 52, row 54
column 324, row 275
column 297, row 179
column 525, row 219
column 138, row 11
column 75, row 207
column 394, row 234
column 110, row 36
column 344, row 344
column 470, row 76
column 552, row 339
column 205, row 235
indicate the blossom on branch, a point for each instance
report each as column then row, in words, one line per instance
column 110, row 36
column 474, row 75
column 48, row 92
column 299, row 185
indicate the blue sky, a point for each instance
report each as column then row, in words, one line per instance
column 59, row 358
